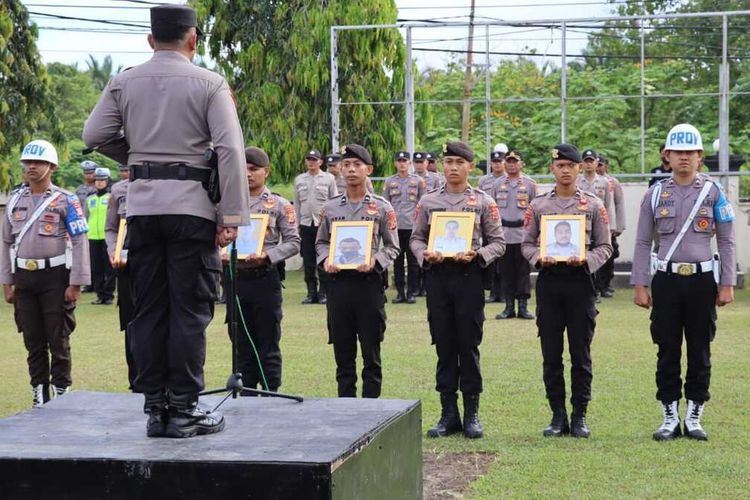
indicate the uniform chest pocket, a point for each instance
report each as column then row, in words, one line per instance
column 522, row 200
column 302, row 192
column 665, row 220
column 321, row 192
column 703, row 223
column 49, row 223
column 502, row 201
column 18, row 219
column 393, row 192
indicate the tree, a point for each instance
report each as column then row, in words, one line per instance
column 101, row 73
column 24, row 88
column 276, row 58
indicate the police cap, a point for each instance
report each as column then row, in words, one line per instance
column 458, row 148
column 590, row 153
column 89, row 166
column 122, row 167
column 358, row 152
column 514, row 154
column 431, row 157
column 497, row 156
column 403, row 155
column 164, row 18
column 313, row 154
column 257, row 157
column 420, row 156
column 101, row 173
column 333, row 159
column 566, row 152
column 603, row 160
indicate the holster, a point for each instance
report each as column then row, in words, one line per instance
column 212, row 186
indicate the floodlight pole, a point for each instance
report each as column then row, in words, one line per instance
column 409, row 95
column 564, row 88
column 335, row 125
column 487, row 97
column 643, row 99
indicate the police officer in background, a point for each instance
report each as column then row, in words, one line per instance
column 333, row 163
column 403, row 190
column 86, row 189
column 102, row 275
column 513, row 192
column 432, row 180
column 689, row 282
column 171, row 111
column 658, row 173
column 455, row 296
column 312, row 189
column 493, row 279
column 607, row 272
column 497, row 169
column 116, row 210
column 565, row 292
column 357, row 305
column 258, row 279
column 44, row 260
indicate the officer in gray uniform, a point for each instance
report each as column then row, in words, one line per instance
column 513, row 193
column 455, row 296
column 357, row 306
column 607, row 272
column 497, row 169
column 174, row 219
column 44, row 260
column 492, row 276
column 689, row 281
column 259, row 281
column 116, row 211
column 432, row 180
column 312, row 189
column 565, row 294
column 86, row 189
column 403, row 190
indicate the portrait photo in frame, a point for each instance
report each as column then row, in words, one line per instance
column 351, row 244
column 250, row 238
column 451, row 232
column 563, row 236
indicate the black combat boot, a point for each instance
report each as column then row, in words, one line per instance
column 400, row 298
column 523, row 311
column 322, row 298
column 312, row 297
column 578, row 427
column 472, row 425
column 510, row 309
column 410, row 299
column 187, row 420
column 450, row 419
column 155, row 406
column 559, row 424
column 693, row 428
column 670, row 427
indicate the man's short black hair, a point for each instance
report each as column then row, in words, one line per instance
column 169, row 33
column 562, row 224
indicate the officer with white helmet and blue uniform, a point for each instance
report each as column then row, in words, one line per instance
column 687, row 279
column 44, row 261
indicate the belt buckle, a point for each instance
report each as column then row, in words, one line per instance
column 31, row 265
column 685, row 269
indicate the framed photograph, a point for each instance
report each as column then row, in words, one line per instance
column 563, row 236
column 121, row 254
column 451, row 232
column 250, row 238
column 351, row 243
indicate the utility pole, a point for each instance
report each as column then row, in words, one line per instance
column 468, row 84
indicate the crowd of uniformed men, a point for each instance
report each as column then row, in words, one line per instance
column 175, row 225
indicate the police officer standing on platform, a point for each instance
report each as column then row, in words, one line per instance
column 357, row 306
column 44, row 260
column 116, row 211
column 258, row 279
column 171, row 111
column 102, row 275
column 455, row 296
column 513, row 193
column 685, row 210
column 565, row 292
column 312, row 189
column 403, row 190
column 617, row 227
column 86, row 189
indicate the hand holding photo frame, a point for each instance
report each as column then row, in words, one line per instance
column 563, row 236
column 451, row 232
column 351, row 244
column 250, row 238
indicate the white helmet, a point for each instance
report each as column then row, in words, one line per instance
column 716, row 145
column 39, row 150
column 684, row 137
column 501, row 147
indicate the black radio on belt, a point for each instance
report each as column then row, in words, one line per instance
column 212, row 184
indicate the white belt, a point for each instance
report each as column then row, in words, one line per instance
column 38, row 264
column 686, row 268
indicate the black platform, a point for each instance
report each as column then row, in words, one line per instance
column 93, row 445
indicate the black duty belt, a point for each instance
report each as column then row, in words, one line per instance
column 564, row 269
column 169, row 171
column 512, row 223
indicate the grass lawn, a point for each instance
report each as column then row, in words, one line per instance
column 620, row 459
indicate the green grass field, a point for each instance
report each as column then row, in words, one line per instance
column 620, row 460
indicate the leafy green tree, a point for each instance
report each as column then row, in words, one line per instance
column 100, row 73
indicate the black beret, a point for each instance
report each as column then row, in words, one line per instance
column 256, row 156
column 357, row 151
column 402, row 154
column 313, row 153
column 513, row 154
column 174, row 15
column 458, row 148
column 333, row 158
column 431, row 157
column 497, row 156
column 566, row 152
column 589, row 153
column 420, row 156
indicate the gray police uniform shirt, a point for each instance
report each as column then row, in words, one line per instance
column 341, row 184
column 311, row 192
column 599, row 186
column 116, row 210
column 598, row 240
column 618, row 202
column 84, row 191
column 282, row 237
column 47, row 236
column 432, row 180
column 171, row 111
column 672, row 209
column 404, row 194
column 487, row 238
column 372, row 208
column 487, row 182
column 513, row 197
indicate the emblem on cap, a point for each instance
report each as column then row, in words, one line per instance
column 445, row 148
column 555, row 153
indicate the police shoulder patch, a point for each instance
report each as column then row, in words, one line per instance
column 528, row 216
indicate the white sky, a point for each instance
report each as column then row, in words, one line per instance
column 70, row 45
